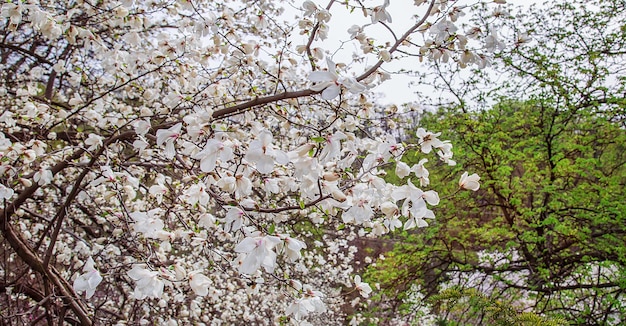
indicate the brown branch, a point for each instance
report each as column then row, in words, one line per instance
column 27, row 52
column 258, row 101
column 398, row 42
column 312, row 37
column 75, row 189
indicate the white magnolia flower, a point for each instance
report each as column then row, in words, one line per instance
column 264, row 154
column 354, row 30
column 421, row 172
column 93, row 141
column 43, row 176
column 200, row 284
column 196, row 194
column 213, row 150
column 169, row 136
column 417, row 217
column 360, row 211
column 259, row 252
column 158, row 190
column 6, row 192
column 414, row 198
column 148, row 283
column 89, row 280
column 310, row 302
column 402, row 169
column 469, row 182
column 234, row 219
column 330, row 83
column 428, row 140
column 333, row 147
column 148, row 223
column 309, row 8
column 380, row 14
column 292, row 248
column 364, row 288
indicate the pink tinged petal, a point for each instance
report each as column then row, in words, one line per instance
column 164, row 135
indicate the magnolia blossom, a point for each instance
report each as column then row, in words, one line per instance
column 234, row 219
column 148, row 283
column 333, row 147
column 200, row 284
column 415, row 198
column 421, row 172
column 148, row 223
column 417, row 216
column 13, row 11
column 445, row 153
column 169, row 136
column 428, row 140
column 259, row 252
column 309, row 8
column 196, row 194
column 360, row 211
column 402, row 169
column 158, row 190
column 292, row 247
column 469, row 182
column 380, row 14
column 43, row 176
column 330, row 83
column 264, row 154
column 6, row 192
column 89, row 280
column 364, row 288
column 310, row 302
column 93, row 141
column 213, row 150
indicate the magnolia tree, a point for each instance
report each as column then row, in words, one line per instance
column 207, row 161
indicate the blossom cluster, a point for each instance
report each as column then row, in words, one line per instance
column 191, row 159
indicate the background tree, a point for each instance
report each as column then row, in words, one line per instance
column 546, row 229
